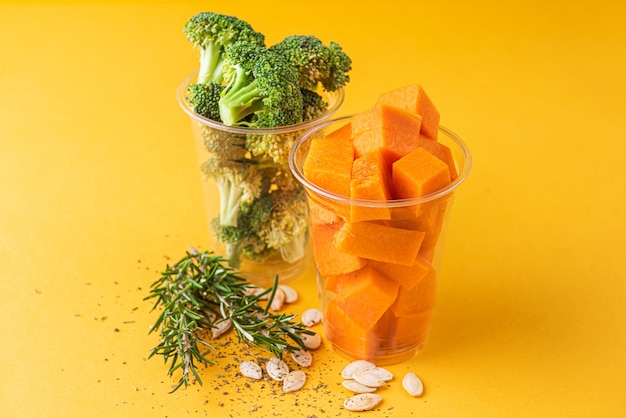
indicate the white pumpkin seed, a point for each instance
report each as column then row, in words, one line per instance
column 355, row 366
column 221, row 327
column 291, row 296
column 251, row 369
column 294, row 381
column 412, row 384
column 255, row 291
column 276, row 369
column 302, row 358
column 381, row 373
column 278, row 301
column 312, row 342
column 312, row 316
column 362, row 402
column 356, row 387
column 365, row 377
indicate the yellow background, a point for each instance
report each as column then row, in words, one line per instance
column 99, row 190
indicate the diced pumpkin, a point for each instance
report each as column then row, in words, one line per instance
column 440, row 151
column 322, row 214
column 328, row 164
column 429, row 222
column 417, row 174
column 365, row 295
column 328, row 260
column 413, row 98
column 419, row 298
column 412, row 330
column 391, row 130
column 386, row 116
column 406, row 276
column 371, row 180
column 343, row 133
column 346, row 335
column 379, row 242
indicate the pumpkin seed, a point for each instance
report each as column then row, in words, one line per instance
column 294, row 381
column 302, row 358
column 355, row 366
column 255, row 291
column 312, row 342
column 278, row 301
column 356, row 387
column 250, row 369
column 362, row 402
column 412, row 384
column 221, row 327
column 365, row 377
column 276, row 369
column 291, row 295
column 311, row 316
column 381, row 373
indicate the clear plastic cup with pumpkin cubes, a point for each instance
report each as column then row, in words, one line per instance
column 380, row 185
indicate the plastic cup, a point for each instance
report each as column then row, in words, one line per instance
column 281, row 251
column 377, row 305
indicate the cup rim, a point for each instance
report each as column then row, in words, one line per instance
column 337, row 97
column 463, row 172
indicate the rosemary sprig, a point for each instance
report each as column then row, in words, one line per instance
column 196, row 293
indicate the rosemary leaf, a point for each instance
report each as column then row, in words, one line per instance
column 199, row 291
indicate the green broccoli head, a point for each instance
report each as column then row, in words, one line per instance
column 238, row 183
column 313, row 105
column 224, row 144
column 315, row 63
column 210, row 32
column 262, row 88
column 242, row 238
column 204, row 99
column 286, row 229
column 275, row 223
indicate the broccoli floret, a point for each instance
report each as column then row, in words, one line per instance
column 225, row 144
column 315, row 62
column 238, row 183
column 242, row 239
column 262, row 89
column 270, row 147
column 204, row 98
column 263, row 211
column 313, row 105
column 210, row 32
column 274, row 223
column 286, row 229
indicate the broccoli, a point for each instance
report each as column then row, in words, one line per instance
column 238, row 182
column 275, row 222
column 313, row 105
column 276, row 147
column 210, row 33
column 286, row 229
column 262, row 89
column 204, row 98
column 241, row 82
column 315, row 63
column 242, row 239
column 225, row 144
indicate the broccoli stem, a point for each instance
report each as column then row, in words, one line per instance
column 240, row 99
column 233, row 253
column 230, row 201
column 210, row 64
column 294, row 249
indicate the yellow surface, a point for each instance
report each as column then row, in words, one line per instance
column 99, row 190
